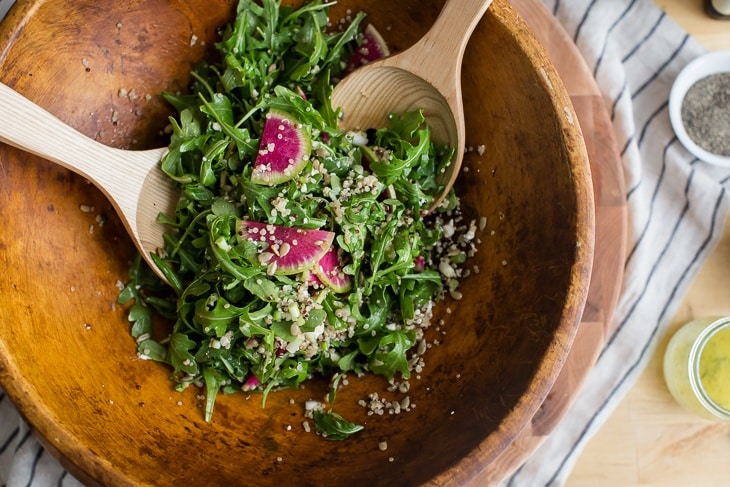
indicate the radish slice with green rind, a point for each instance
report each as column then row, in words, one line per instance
column 286, row 250
column 329, row 271
column 284, row 149
column 372, row 48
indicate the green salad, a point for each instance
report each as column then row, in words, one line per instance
column 295, row 250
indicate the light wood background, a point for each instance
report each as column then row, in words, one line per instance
column 649, row 440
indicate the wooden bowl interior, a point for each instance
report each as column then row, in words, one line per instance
column 66, row 357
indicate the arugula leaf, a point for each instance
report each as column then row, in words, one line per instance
column 181, row 357
column 213, row 382
column 333, row 426
column 389, row 355
column 216, row 319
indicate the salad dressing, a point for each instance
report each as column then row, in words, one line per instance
column 715, row 367
column 697, row 367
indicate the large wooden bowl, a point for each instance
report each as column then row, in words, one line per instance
column 66, row 357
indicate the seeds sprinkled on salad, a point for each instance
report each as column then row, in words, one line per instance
column 297, row 250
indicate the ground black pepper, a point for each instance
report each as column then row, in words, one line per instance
column 706, row 113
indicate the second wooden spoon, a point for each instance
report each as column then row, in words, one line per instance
column 426, row 76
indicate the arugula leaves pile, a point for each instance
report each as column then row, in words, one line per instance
column 232, row 321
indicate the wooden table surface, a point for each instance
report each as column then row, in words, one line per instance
column 649, row 440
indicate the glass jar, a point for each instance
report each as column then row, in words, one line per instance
column 697, row 367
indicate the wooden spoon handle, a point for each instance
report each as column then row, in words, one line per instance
column 125, row 177
column 29, row 127
column 441, row 50
column 119, row 174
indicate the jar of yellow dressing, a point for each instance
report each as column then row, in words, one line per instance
column 697, row 367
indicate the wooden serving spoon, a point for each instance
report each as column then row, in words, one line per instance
column 426, row 76
column 131, row 180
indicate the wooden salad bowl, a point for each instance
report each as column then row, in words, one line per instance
column 66, row 356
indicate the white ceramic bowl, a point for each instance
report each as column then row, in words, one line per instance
column 703, row 66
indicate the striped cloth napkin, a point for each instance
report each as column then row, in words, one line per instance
column 677, row 208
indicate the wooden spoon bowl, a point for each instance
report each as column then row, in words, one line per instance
column 66, row 357
column 427, row 77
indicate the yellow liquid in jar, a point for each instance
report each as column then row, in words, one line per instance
column 715, row 368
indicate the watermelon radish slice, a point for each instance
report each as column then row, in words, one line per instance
column 287, row 250
column 373, row 47
column 329, row 272
column 283, row 150
column 311, row 278
column 251, row 383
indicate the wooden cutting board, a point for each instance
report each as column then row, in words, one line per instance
column 610, row 247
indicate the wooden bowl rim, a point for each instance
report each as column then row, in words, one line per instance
column 88, row 467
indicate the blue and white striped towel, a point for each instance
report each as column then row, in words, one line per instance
column 677, row 207
column 4, row 7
